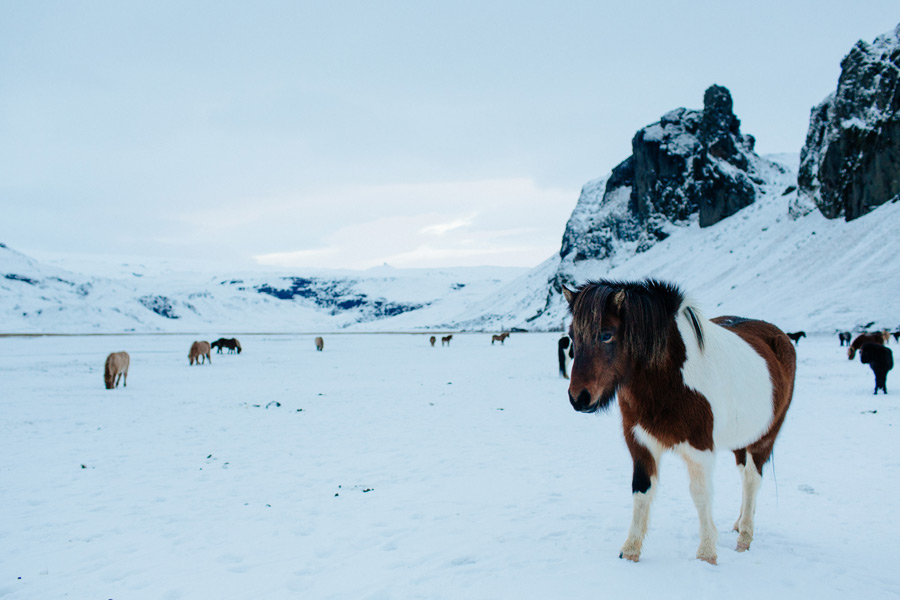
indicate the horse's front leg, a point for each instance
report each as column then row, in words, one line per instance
column 644, row 482
column 700, row 466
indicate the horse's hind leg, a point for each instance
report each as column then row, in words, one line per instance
column 700, row 466
column 740, row 457
column 751, row 480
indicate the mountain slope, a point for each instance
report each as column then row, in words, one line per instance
column 807, row 273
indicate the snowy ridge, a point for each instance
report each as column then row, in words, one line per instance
column 40, row 298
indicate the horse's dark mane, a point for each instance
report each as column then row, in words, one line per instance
column 644, row 309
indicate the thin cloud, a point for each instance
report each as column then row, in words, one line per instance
column 442, row 228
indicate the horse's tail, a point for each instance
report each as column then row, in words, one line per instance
column 562, row 360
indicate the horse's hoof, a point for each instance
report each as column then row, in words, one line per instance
column 710, row 559
column 631, row 557
column 743, row 546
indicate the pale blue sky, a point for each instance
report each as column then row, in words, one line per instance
column 347, row 134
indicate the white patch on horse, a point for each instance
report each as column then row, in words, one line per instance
column 732, row 377
column 649, row 442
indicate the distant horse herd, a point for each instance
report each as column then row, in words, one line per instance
column 116, row 367
column 684, row 383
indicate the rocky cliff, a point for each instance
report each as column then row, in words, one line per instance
column 850, row 163
column 690, row 164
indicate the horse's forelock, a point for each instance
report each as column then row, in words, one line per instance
column 589, row 307
column 644, row 310
column 645, row 324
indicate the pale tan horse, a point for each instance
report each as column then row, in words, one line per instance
column 199, row 350
column 320, row 344
column 432, row 339
column 446, row 339
column 499, row 338
column 116, row 369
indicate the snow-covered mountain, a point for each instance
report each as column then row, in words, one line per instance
column 36, row 297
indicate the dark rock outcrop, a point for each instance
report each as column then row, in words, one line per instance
column 850, row 163
column 691, row 162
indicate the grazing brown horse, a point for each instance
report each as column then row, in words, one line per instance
column 499, row 338
column 320, row 344
column 684, row 383
column 432, row 339
column 446, row 339
column 116, row 369
column 845, row 337
column 199, row 350
column 864, row 338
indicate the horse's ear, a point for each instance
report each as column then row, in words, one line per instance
column 619, row 298
column 569, row 295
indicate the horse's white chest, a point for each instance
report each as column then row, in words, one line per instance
column 733, row 378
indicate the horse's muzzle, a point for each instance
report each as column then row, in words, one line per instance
column 583, row 402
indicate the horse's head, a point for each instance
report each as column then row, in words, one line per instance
column 617, row 328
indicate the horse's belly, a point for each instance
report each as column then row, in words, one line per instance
column 735, row 381
column 738, row 425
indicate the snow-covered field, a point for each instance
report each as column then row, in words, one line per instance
column 384, row 468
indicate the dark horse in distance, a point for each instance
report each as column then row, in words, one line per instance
column 231, row 344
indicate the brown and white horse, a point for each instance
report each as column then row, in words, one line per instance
column 684, row 383
column 499, row 338
column 863, row 338
column 320, row 344
column 116, row 369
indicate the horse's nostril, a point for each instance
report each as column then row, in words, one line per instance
column 582, row 402
column 584, row 399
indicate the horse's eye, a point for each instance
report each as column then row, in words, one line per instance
column 606, row 337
